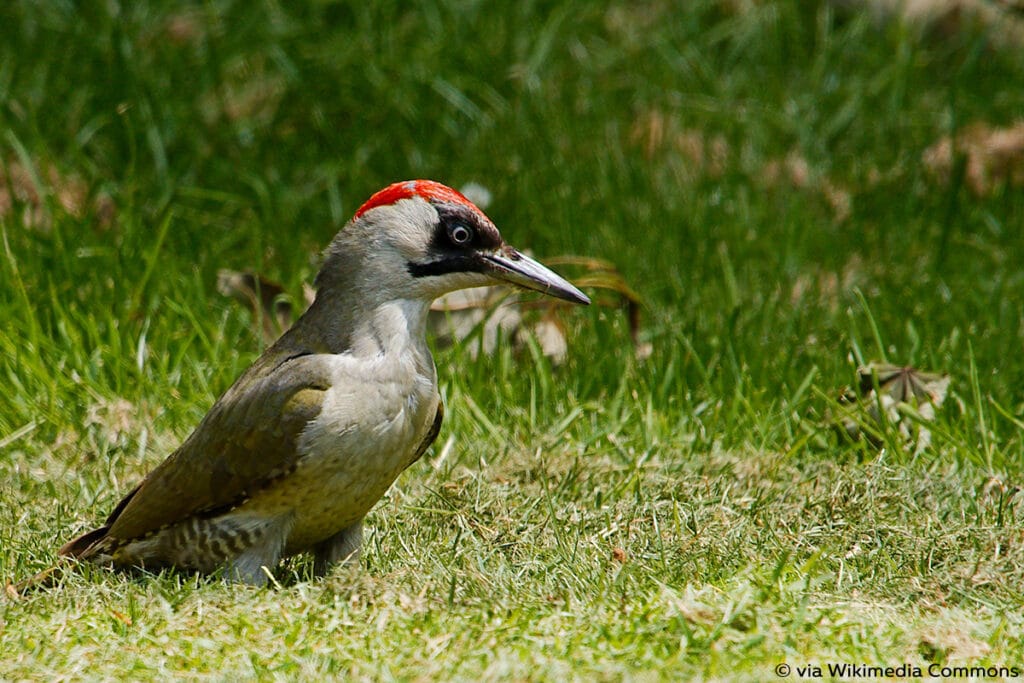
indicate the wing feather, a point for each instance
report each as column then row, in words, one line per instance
column 248, row 439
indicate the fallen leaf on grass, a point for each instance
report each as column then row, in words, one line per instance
column 456, row 316
column 122, row 617
column 603, row 275
column 185, row 28
column 948, row 18
column 29, row 188
column 41, row 580
column 795, row 171
column 828, row 287
column 903, row 383
column 902, row 396
column 249, row 90
column 951, row 642
column 261, row 296
column 993, row 158
column 691, row 152
column 115, row 419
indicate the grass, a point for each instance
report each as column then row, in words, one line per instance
column 756, row 172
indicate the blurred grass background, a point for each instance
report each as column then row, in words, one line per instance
column 771, row 177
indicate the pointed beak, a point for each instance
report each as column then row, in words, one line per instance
column 511, row 266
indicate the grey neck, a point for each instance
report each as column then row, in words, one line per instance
column 360, row 323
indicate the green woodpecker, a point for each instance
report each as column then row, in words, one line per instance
column 292, row 457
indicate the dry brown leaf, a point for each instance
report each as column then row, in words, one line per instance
column 185, row 28
column 121, row 616
column 631, row 23
column 839, row 199
column 115, row 418
column 692, row 153
column 603, row 275
column 993, row 157
column 249, row 90
column 262, row 297
column 901, row 389
column 40, row 580
column 28, row 189
column 948, row 18
column 550, row 335
column 905, row 384
column 827, row 287
column 455, row 316
column 796, row 172
column 953, row 642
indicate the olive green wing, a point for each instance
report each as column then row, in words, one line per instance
column 247, row 440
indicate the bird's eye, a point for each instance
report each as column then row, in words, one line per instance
column 460, row 234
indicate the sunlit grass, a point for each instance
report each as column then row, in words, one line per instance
column 755, row 173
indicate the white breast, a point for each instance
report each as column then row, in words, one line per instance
column 379, row 407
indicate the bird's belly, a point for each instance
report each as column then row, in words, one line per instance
column 347, row 468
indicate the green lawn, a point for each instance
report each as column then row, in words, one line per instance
column 768, row 176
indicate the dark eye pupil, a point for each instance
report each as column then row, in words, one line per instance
column 461, row 234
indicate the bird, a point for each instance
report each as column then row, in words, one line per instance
column 291, row 458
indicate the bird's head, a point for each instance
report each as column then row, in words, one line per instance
column 420, row 239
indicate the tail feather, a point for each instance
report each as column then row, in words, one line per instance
column 83, row 546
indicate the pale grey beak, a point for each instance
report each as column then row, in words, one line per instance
column 510, row 265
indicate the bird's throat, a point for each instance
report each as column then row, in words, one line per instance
column 393, row 329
